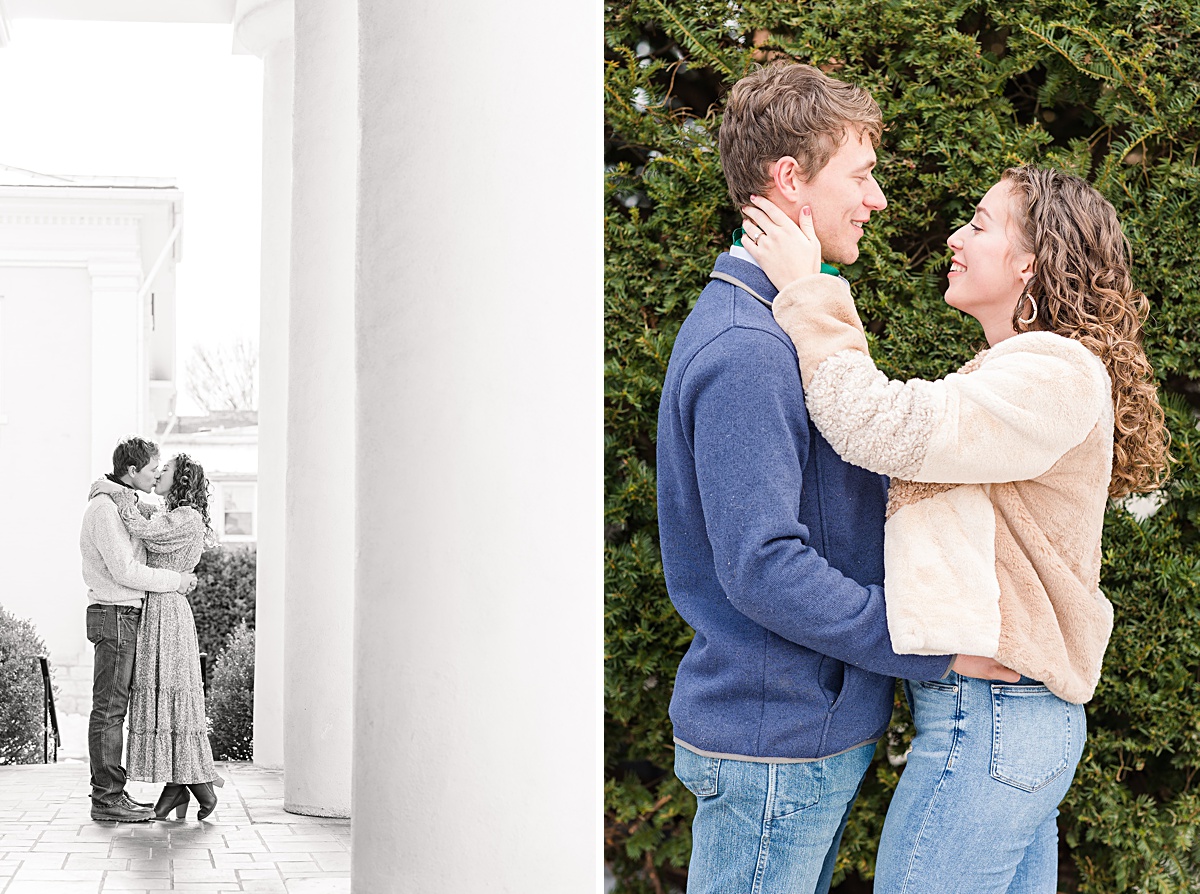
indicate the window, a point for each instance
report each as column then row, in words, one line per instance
column 237, row 511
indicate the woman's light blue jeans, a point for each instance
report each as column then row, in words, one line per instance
column 768, row 828
column 975, row 811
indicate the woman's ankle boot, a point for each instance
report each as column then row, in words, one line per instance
column 206, row 796
column 174, row 797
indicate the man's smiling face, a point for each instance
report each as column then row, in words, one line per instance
column 842, row 196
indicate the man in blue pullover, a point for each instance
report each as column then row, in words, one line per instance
column 772, row 545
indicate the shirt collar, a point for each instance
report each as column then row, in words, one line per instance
column 740, row 253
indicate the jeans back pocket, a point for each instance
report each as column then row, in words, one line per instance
column 1036, row 736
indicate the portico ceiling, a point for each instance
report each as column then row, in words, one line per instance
column 211, row 11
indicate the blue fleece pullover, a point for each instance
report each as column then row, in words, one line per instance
column 772, row 547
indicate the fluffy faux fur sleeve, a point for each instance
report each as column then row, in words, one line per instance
column 1032, row 398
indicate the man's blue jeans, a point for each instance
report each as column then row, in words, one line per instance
column 112, row 629
column 975, row 811
column 767, row 828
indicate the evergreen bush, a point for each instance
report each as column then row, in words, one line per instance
column 224, row 594
column 231, row 698
column 21, row 706
column 1109, row 91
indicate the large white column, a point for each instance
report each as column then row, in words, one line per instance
column 477, row 627
column 320, row 426
column 264, row 27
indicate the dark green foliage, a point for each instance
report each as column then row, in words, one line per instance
column 231, row 698
column 224, row 594
column 1110, row 91
column 21, row 703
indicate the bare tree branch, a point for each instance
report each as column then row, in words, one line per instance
column 224, row 376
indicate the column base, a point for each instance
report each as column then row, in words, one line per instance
column 309, row 810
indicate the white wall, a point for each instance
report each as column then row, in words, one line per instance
column 226, row 454
column 45, row 445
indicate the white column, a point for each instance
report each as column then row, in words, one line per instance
column 264, row 27
column 477, row 626
column 118, row 341
column 320, row 426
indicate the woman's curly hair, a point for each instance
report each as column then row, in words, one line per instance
column 1083, row 290
column 190, row 488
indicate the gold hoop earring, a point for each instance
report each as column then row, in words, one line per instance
column 1033, row 305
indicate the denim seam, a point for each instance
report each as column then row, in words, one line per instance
column 764, row 841
column 954, row 742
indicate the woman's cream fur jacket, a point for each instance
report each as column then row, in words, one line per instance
column 1000, row 478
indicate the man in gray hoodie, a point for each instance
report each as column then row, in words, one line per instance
column 117, row 577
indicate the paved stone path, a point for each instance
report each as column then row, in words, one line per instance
column 49, row 844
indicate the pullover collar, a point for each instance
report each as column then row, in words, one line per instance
column 115, row 480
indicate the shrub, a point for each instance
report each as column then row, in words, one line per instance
column 231, row 698
column 224, row 594
column 21, row 706
column 1109, row 91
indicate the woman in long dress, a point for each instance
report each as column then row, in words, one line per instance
column 168, row 735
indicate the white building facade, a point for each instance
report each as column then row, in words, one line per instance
column 87, row 357
column 226, row 445
column 430, row 408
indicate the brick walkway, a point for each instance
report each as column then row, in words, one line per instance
column 49, row 844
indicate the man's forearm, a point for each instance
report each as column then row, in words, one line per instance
column 115, row 548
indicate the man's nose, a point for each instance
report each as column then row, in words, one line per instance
column 876, row 201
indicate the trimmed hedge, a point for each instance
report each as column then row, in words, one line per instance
column 224, row 594
column 22, row 724
column 231, row 698
column 1109, row 91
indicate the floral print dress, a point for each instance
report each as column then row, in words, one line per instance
column 168, row 734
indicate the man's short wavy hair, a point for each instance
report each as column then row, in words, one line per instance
column 786, row 108
column 134, row 452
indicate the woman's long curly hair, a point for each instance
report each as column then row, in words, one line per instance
column 1083, row 291
column 190, row 488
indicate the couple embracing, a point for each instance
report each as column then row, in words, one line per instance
column 139, row 566
column 974, row 578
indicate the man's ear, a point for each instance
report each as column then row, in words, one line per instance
column 785, row 174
